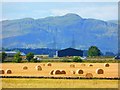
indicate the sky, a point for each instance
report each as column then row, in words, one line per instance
column 60, row 0
column 97, row 10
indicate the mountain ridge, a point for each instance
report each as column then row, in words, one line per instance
column 47, row 32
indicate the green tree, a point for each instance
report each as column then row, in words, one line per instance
column 17, row 58
column 4, row 55
column 29, row 56
column 77, row 59
column 94, row 51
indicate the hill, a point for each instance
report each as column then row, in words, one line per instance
column 58, row 32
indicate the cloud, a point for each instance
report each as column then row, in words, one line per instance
column 103, row 11
column 60, row 12
column 98, row 12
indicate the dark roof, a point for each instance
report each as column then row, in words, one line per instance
column 70, row 52
column 70, row 49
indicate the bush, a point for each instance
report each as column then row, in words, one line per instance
column 77, row 59
column 34, row 60
column 65, row 60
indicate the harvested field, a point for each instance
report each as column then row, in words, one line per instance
column 17, row 69
column 57, row 83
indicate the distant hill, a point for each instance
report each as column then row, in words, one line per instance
column 69, row 30
column 113, row 21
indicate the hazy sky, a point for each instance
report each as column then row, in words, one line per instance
column 97, row 10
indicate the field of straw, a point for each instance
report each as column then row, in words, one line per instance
column 58, row 83
column 60, row 69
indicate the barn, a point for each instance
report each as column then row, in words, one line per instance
column 12, row 53
column 69, row 52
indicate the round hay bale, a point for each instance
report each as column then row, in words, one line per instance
column 89, row 75
column 62, row 71
column 80, row 71
column 38, row 67
column 106, row 65
column 90, row 65
column 73, row 72
column 100, row 71
column 82, row 64
column 51, row 72
column 2, row 71
column 25, row 67
column 8, row 71
column 49, row 64
column 72, row 65
column 56, row 72
column 43, row 64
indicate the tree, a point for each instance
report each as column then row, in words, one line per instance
column 29, row 56
column 94, row 51
column 4, row 55
column 17, row 58
column 77, row 59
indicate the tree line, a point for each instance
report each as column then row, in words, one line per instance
column 18, row 58
column 92, row 52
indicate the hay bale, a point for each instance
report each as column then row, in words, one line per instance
column 62, row 71
column 100, row 71
column 38, row 68
column 2, row 71
column 51, row 72
column 72, row 65
column 25, row 67
column 90, row 65
column 89, row 75
column 8, row 71
column 82, row 64
column 56, row 72
column 73, row 72
column 80, row 71
column 106, row 65
column 43, row 64
column 49, row 64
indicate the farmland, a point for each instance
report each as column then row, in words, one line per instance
column 17, row 70
column 57, row 83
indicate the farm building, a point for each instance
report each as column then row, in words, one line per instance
column 41, row 56
column 69, row 52
column 12, row 53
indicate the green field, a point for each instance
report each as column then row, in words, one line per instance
column 57, row 83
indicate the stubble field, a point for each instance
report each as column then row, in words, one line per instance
column 17, row 70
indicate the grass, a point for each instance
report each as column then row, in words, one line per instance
column 57, row 83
